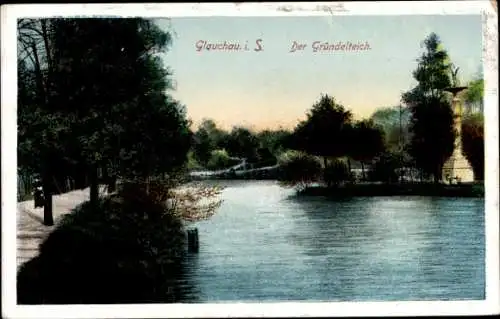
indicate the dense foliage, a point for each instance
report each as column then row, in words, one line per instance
column 336, row 172
column 384, row 168
column 433, row 134
column 323, row 132
column 299, row 169
column 475, row 92
column 220, row 159
column 395, row 122
column 473, row 143
column 93, row 97
column 366, row 142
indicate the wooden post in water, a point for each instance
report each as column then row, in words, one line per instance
column 193, row 241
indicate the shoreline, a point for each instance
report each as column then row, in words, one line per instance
column 372, row 189
column 473, row 190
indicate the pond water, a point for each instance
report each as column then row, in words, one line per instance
column 265, row 244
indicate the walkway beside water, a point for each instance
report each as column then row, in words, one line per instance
column 31, row 231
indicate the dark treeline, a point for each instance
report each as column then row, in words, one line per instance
column 214, row 148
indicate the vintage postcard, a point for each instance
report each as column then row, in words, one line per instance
column 248, row 160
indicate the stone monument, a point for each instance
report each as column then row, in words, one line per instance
column 457, row 168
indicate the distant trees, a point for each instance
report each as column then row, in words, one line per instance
column 323, row 132
column 433, row 134
column 259, row 148
column 395, row 123
column 475, row 93
column 206, row 139
column 366, row 142
column 275, row 141
column 243, row 143
column 220, row 159
column 330, row 132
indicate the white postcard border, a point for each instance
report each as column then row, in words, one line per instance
column 9, row 16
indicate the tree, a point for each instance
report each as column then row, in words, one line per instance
column 95, row 97
column 202, row 146
column 130, row 126
column 243, row 143
column 394, row 121
column 41, row 127
column 206, row 139
column 274, row 140
column 323, row 132
column 473, row 143
column 475, row 93
column 433, row 134
column 366, row 142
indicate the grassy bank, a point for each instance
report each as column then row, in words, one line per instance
column 405, row 189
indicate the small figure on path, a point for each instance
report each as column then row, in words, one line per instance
column 38, row 193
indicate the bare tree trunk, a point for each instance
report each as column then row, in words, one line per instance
column 39, row 75
column 45, row 36
column 48, row 218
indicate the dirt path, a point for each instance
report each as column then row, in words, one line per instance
column 30, row 229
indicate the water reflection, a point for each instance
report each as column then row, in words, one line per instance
column 265, row 245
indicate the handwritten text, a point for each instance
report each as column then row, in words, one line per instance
column 324, row 46
column 228, row 46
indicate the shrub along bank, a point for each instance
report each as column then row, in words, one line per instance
column 124, row 249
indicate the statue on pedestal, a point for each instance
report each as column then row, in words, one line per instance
column 457, row 169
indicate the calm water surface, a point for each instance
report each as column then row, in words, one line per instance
column 264, row 244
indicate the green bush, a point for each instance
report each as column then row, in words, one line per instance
column 192, row 163
column 265, row 158
column 124, row 249
column 220, row 159
column 299, row 169
column 336, row 172
column 384, row 168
